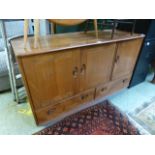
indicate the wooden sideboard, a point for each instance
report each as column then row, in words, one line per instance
column 68, row 70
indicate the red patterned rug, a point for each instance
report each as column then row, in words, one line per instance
column 100, row 119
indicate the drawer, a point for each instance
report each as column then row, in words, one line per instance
column 54, row 111
column 102, row 91
column 112, row 87
column 117, row 85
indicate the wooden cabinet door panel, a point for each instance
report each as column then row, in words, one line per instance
column 50, row 76
column 96, row 65
column 127, row 52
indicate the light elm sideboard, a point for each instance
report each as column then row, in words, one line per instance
column 68, row 70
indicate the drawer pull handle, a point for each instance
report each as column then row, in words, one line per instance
column 84, row 97
column 83, row 69
column 117, row 58
column 103, row 89
column 49, row 112
column 125, row 80
column 75, row 72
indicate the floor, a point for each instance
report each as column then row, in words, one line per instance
column 18, row 119
column 132, row 98
column 15, row 119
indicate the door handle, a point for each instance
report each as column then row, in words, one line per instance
column 83, row 69
column 117, row 58
column 75, row 72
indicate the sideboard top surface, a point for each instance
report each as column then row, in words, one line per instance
column 58, row 42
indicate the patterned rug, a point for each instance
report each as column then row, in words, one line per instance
column 145, row 116
column 100, row 119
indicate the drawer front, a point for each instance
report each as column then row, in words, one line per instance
column 112, row 87
column 54, row 111
column 119, row 84
column 102, row 91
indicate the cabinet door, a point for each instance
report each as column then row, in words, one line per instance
column 126, row 56
column 96, row 65
column 52, row 77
